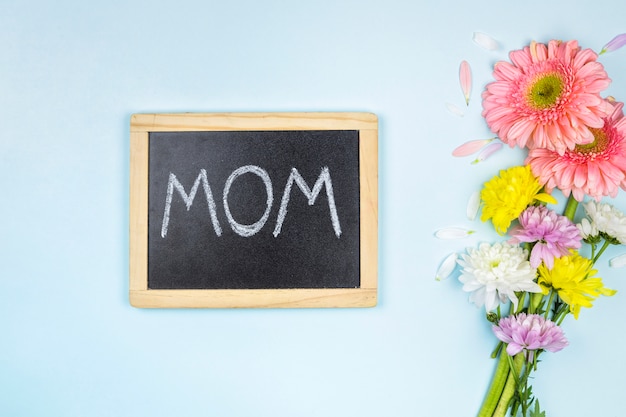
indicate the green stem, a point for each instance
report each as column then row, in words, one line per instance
column 570, row 207
column 549, row 303
column 510, row 386
column 593, row 251
column 535, row 301
column 560, row 314
column 497, row 350
column 498, row 382
column 602, row 249
column 520, row 303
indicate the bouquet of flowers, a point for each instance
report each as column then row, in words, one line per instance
column 547, row 101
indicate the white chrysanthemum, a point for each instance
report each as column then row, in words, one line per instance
column 492, row 274
column 604, row 219
column 587, row 230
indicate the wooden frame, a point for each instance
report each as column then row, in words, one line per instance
column 364, row 296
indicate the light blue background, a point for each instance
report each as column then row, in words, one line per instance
column 72, row 73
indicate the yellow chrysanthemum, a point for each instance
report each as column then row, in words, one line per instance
column 505, row 196
column 572, row 277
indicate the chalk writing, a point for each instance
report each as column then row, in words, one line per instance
column 244, row 229
column 173, row 183
column 247, row 230
column 311, row 195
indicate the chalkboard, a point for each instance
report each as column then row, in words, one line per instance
column 253, row 210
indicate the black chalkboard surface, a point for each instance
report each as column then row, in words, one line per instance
column 253, row 210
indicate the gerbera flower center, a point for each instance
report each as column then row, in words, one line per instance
column 599, row 144
column 545, row 91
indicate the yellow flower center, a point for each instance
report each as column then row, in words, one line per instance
column 599, row 144
column 545, row 91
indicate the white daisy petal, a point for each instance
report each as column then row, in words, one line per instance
column 454, row 109
column 446, row 267
column 618, row 261
column 587, row 229
column 453, row 233
column 486, row 41
column 473, row 205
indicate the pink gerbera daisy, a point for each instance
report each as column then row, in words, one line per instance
column 597, row 169
column 547, row 97
column 553, row 235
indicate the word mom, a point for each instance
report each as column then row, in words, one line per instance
column 246, row 230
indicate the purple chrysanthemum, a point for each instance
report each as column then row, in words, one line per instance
column 554, row 235
column 529, row 332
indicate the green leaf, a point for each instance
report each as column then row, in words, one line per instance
column 537, row 411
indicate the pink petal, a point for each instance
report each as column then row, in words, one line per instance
column 487, row 152
column 465, row 76
column 471, row 147
column 615, row 43
column 513, row 349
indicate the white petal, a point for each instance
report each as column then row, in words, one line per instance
column 453, row 233
column 485, row 41
column 472, row 205
column 446, row 267
column 454, row 110
column 618, row 261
